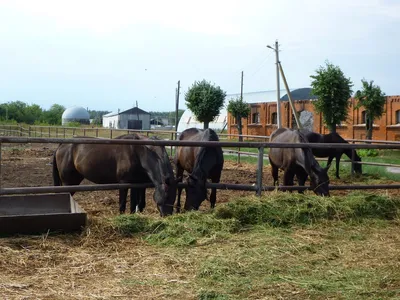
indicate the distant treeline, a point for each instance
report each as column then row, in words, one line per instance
column 169, row 115
column 33, row 114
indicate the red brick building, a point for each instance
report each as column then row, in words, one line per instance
column 263, row 119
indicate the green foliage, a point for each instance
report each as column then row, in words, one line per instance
column 367, row 152
column 373, row 100
column 178, row 230
column 238, row 108
column 54, row 114
column 277, row 210
column 333, row 90
column 97, row 116
column 205, row 101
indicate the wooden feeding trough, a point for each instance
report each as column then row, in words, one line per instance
column 32, row 214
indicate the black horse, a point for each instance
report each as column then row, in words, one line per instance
column 112, row 163
column 337, row 153
column 201, row 163
column 296, row 161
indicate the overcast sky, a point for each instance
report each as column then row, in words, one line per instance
column 107, row 55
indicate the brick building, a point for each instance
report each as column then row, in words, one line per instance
column 263, row 119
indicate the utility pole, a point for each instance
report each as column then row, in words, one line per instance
column 278, row 92
column 296, row 116
column 177, row 108
column 241, row 88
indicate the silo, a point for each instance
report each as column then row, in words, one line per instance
column 75, row 114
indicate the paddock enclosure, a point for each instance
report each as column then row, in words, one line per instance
column 100, row 264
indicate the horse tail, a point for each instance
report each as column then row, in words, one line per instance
column 56, row 174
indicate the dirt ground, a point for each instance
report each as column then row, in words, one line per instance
column 93, row 264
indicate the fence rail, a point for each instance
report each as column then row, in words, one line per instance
column 56, row 131
column 258, row 187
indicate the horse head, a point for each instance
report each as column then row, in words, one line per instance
column 164, row 195
column 320, row 182
column 196, row 192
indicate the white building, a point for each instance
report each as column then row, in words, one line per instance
column 134, row 118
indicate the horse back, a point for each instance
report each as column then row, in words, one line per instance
column 285, row 158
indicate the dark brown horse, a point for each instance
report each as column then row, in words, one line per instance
column 337, row 153
column 201, row 163
column 112, row 163
column 296, row 161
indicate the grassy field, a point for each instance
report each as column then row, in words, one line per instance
column 286, row 246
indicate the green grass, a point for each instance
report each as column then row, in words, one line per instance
column 276, row 210
column 281, row 246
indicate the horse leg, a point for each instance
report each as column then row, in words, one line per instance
column 274, row 171
column 122, row 200
column 301, row 175
column 215, row 178
column 179, row 175
column 73, row 178
column 288, row 178
column 330, row 159
column 337, row 165
column 142, row 199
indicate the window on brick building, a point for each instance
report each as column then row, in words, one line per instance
column 397, row 116
column 255, row 114
column 363, row 117
column 274, row 118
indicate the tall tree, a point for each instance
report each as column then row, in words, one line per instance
column 373, row 100
column 54, row 114
column 333, row 90
column 238, row 109
column 205, row 101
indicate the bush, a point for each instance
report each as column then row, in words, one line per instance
column 367, row 152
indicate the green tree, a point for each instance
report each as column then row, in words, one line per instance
column 54, row 114
column 238, row 109
column 205, row 101
column 33, row 113
column 373, row 100
column 333, row 90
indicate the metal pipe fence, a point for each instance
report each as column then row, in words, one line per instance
column 259, row 188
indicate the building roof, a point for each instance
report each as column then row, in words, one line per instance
column 76, row 112
column 133, row 111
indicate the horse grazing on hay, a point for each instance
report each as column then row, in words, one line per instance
column 296, row 161
column 201, row 163
column 337, row 153
column 113, row 163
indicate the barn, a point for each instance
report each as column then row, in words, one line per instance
column 133, row 118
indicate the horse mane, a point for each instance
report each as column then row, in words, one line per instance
column 207, row 135
column 309, row 157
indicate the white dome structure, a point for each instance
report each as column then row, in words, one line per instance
column 75, row 114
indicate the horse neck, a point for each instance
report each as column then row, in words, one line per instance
column 163, row 168
column 200, row 169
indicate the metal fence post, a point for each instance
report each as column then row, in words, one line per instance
column 172, row 138
column 110, row 133
column 352, row 161
column 260, row 164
